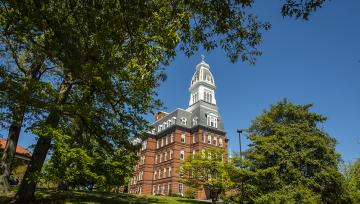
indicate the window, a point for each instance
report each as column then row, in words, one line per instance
column 167, row 140
column 165, row 156
column 194, row 152
column 169, row 188
column 159, row 128
column 160, row 158
column 193, row 138
column 195, row 121
column 183, row 121
column 162, row 142
column 164, row 176
column 212, row 120
column 158, row 189
column 182, row 137
column 162, row 189
column 156, row 158
column 214, row 141
column 155, row 175
column 153, row 131
column 220, row 142
column 157, row 144
column 169, row 171
column 159, row 174
column 195, row 97
column 182, row 155
column 209, row 139
column 173, row 120
column 164, row 125
column 203, row 137
column 181, row 189
column 171, row 153
column 172, row 138
column 154, row 190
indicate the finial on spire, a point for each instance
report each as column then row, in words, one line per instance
column 202, row 58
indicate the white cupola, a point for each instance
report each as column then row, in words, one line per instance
column 202, row 85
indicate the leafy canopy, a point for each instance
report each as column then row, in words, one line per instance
column 207, row 169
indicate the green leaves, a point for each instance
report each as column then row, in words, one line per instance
column 290, row 159
column 207, row 169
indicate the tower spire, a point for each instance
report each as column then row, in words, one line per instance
column 202, row 87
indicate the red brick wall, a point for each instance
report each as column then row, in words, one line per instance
column 149, row 166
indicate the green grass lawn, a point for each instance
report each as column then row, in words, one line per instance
column 100, row 197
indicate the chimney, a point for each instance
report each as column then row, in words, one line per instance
column 160, row 115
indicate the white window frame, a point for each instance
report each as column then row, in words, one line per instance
column 181, row 189
column 182, row 154
column 183, row 121
column 183, row 138
column 171, row 154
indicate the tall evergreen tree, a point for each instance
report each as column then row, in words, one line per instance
column 292, row 159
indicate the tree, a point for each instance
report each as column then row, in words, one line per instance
column 291, row 158
column 21, row 89
column 107, row 38
column 352, row 177
column 207, row 169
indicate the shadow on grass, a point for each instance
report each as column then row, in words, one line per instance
column 47, row 196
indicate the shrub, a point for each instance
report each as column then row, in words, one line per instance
column 190, row 193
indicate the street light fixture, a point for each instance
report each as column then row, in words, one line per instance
column 239, row 131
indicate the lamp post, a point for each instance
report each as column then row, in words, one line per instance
column 239, row 131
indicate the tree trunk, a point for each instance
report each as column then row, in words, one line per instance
column 17, row 115
column 10, row 149
column 26, row 191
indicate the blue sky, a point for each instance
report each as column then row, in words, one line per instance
column 307, row 62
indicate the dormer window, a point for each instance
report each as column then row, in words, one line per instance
column 195, row 121
column 183, row 121
column 159, row 128
column 212, row 120
column 173, row 120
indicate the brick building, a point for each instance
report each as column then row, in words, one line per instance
column 176, row 136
